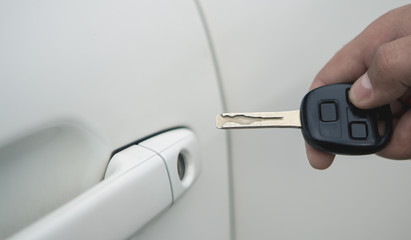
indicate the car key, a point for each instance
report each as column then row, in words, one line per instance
column 328, row 121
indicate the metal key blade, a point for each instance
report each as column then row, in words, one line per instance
column 286, row 119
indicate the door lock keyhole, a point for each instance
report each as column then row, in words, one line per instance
column 181, row 166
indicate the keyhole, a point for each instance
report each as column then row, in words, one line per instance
column 181, row 166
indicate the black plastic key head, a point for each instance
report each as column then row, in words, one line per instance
column 330, row 122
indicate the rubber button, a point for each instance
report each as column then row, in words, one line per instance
column 358, row 130
column 328, row 112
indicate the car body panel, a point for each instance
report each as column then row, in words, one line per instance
column 81, row 79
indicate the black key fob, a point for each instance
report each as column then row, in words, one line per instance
column 331, row 123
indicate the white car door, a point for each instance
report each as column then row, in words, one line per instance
column 83, row 79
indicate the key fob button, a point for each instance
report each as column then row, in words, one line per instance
column 358, row 130
column 329, row 122
column 328, row 112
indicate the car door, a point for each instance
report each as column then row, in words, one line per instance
column 84, row 82
column 268, row 53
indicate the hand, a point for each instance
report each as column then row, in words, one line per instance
column 379, row 59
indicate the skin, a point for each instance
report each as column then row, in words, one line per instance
column 379, row 60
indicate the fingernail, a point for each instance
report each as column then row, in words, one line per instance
column 361, row 89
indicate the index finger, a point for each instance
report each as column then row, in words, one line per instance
column 346, row 66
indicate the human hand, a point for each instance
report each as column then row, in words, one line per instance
column 379, row 59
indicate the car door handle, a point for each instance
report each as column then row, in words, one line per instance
column 140, row 182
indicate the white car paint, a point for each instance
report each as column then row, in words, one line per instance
column 83, row 78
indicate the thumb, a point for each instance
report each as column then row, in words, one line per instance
column 387, row 78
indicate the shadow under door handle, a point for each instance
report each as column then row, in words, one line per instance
column 140, row 182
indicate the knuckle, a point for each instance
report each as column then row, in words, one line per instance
column 387, row 58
